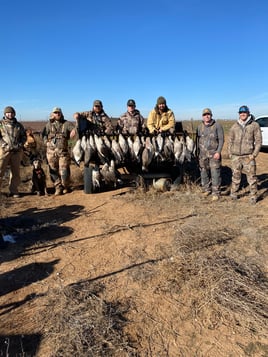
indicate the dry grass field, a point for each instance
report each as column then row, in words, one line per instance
column 134, row 272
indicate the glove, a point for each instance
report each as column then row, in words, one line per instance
column 249, row 158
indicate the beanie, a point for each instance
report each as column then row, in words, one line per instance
column 9, row 110
column 161, row 100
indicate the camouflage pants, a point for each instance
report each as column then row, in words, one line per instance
column 59, row 167
column 12, row 159
column 210, row 171
column 239, row 164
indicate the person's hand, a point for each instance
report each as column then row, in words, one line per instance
column 251, row 157
column 217, row 156
column 76, row 116
column 73, row 133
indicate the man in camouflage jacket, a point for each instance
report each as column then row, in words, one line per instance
column 56, row 135
column 95, row 121
column 210, row 140
column 244, row 144
column 12, row 139
column 131, row 122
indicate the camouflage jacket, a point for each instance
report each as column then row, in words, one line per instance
column 163, row 121
column 56, row 134
column 131, row 123
column 245, row 139
column 210, row 139
column 97, row 123
column 12, row 135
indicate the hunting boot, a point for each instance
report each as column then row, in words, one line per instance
column 58, row 191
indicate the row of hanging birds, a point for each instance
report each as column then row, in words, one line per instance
column 141, row 150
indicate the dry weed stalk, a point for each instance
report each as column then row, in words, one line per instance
column 79, row 323
column 217, row 287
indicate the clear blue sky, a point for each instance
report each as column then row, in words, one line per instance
column 196, row 53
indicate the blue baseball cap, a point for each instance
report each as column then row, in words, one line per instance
column 243, row 109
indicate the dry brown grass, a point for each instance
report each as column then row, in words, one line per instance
column 234, row 293
column 194, row 282
column 85, row 324
column 197, row 274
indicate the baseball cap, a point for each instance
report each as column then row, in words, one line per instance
column 97, row 103
column 56, row 109
column 131, row 102
column 243, row 109
column 207, row 111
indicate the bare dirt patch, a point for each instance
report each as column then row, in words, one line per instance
column 133, row 273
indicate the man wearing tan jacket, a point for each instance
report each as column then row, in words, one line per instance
column 12, row 139
column 161, row 119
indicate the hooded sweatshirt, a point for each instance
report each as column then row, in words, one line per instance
column 245, row 138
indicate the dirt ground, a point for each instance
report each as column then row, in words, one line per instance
column 133, row 273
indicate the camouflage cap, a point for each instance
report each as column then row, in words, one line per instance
column 207, row 111
column 9, row 110
column 97, row 103
column 56, row 109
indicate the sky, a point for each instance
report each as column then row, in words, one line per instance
column 195, row 53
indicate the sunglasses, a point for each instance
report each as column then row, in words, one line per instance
column 206, row 114
column 57, row 112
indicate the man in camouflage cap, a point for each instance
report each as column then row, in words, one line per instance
column 96, row 120
column 56, row 135
column 131, row 122
column 12, row 139
column 210, row 139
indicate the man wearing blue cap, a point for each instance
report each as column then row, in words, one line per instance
column 244, row 145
